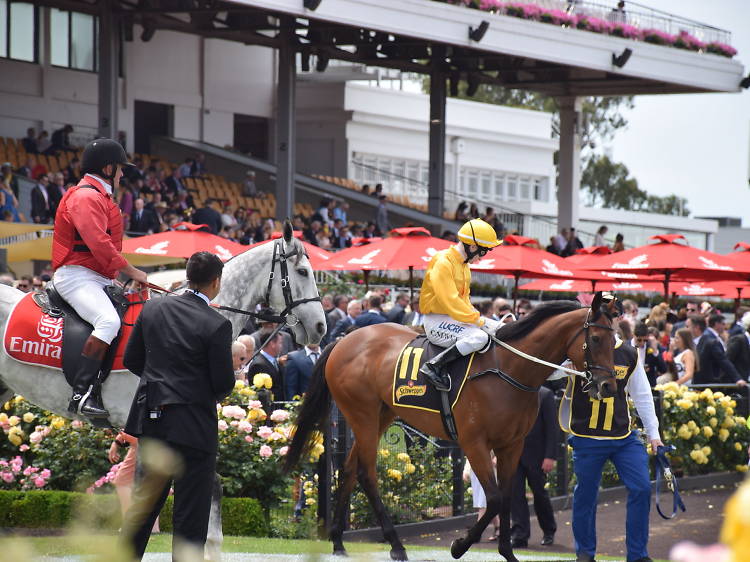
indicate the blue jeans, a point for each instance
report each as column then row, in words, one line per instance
column 631, row 461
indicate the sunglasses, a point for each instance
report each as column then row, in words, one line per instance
column 22, row 286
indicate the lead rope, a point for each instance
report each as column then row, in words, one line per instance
column 537, row 360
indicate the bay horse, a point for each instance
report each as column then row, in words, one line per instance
column 491, row 414
column 277, row 273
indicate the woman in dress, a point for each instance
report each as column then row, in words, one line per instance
column 685, row 358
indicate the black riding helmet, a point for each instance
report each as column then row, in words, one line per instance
column 102, row 152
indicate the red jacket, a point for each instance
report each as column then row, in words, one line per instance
column 88, row 230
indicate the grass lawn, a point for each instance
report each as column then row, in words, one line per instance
column 104, row 547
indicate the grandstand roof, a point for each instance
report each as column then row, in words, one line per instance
column 414, row 35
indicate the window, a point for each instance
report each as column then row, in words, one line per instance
column 525, row 189
column 473, row 180
column 18, row 30
column 73, row 40
column 486, row 186
column 512, row 187
column 499, row 187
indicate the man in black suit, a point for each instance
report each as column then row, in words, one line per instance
column 143, row 220
column 209, row 216
column 266, row 362
column 397, row 313
column 353, row 310
column 41, row 202
column 373, row 315
column 537, row 460
column 711, row 355
column 181, row 349
column 738, row 352
column 298, row 370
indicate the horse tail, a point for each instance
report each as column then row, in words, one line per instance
column 312, row 414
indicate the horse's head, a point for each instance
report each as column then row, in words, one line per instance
column 291, row 290
column 592, row 350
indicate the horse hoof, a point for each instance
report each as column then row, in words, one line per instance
column 459, row 548
column 399, row 555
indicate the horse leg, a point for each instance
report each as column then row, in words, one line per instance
column 507, row 462
column 368, row 438
column 479, row 458
column 212, row 550
column 343, row 494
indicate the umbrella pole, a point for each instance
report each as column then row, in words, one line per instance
column 666, row 286
column 515, row 291
column 367, row 279
column 593, row 285
column 737, row 303
column 411, row 283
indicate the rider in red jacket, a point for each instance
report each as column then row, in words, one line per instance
column 86, row 257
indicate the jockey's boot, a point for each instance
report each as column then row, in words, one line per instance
column 87, row 399
column 434, row 369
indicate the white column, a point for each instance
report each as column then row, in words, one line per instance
column 569, row 162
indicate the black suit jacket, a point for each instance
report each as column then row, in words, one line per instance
column 148, row 221
column 41, row 211
column 396, row 314
column 182, row 350
column 368, row 318
column 297, row 373
column 713, row 362
column 541, row 442
column 262, row 365
column 339, row 329
column 738, row 352
column 209, row 216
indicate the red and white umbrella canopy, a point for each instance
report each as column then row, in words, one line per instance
column 671, row 259
column 182, row 244
column 406, row 248
column 580, row 286
column 518, row 257
column 318, row 256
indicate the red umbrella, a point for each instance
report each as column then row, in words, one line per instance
column 580, row 286
column 668, row 259
column 182, row 243
column 318, row 256
column 406, row 248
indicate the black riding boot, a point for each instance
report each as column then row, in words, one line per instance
column 86, row 399
column 434, row 369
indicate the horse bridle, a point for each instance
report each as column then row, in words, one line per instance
column 588, row 361
column 280, row 256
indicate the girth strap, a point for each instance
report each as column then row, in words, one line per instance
column 506, row 377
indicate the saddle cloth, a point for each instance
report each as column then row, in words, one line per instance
column 34, row 337
column 411, row 390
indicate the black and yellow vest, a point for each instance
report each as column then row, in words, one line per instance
column 608, row 418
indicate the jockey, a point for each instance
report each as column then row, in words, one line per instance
column 450, row 320
column 86, row 258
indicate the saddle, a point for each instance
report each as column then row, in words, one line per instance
column 45, row 330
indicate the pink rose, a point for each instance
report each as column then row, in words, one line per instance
column 264, row 432
column 76, row 424
column 39, row 482
column 275, row 436
column 283, row 451
column 266, row 451
column 46, row 473
column 254, row 404
column 279, row 415
column 35, row 437
column 234, row 423
column 23, row 448
column 245, row 426
column 222, row 425
column 249, row 438
column 7, row 477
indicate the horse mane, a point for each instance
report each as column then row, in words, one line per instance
column 521, row 328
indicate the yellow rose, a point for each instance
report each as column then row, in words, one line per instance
column 410, row 468
column 403, row 457
column 711, row 411
column 712, row 422
column 718, row 395
column 28, row 417
column 238, row 384
column 57, row 423
column 684, row 403
column 385, row 453
column 741, row 468
column 7, row 406
column 728, row 422
column 737, row 447
column 14, row 420
column 696, row 454
column 733, row 403
column 696, row 430
column 667, row 404
column 684, row 432
column 395, row 474
column 16, row 435
column 707, row 393
column 729, row 411
column 723, row 434
column 706, row 450
column 3, row 418
column 309, row 501
column 707, row 431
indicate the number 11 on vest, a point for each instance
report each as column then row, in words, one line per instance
column 608, row 413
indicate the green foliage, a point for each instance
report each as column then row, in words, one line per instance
column 53, row 510
column 609, row 185
column 239, row 516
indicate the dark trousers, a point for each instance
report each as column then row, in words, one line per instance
column 193, row 487
column 519, row 506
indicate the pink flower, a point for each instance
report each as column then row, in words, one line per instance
column 254, row 404
column 27, row 471
column 264, row 432
column 23, row 448
column 265, row 451
column 275, row 436
column 222, row 425
column 35, row 437
column 249, row 438
column 279, row 415
column 283, row 451
column 76, row 424
column 39, row 482
column 234, row 423
column 245, row 426
column 233, row 412
column 7, row 477
column 46, row 473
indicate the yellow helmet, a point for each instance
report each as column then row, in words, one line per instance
column 478, row 232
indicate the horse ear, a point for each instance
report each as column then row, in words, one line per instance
column 288, row 231
column 597, row 302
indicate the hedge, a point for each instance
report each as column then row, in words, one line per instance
column 54, row 510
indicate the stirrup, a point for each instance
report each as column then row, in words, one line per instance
column 437, row 381
column 97, row 411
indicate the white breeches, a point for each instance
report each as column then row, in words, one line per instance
column 442, row 330
column 83, row 289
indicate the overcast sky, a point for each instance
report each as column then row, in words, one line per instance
column 696, row 145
